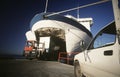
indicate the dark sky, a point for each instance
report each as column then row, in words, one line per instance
column 15, row 16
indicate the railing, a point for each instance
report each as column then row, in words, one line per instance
column 65, row 56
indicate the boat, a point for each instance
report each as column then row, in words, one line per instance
column 52, row 33
column 66, row 32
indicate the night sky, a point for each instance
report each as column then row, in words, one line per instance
column 15, row 16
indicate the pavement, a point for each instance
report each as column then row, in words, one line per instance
column 34, row 68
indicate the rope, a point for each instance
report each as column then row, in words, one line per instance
column 103, row 1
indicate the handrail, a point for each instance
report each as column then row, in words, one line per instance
column 65, row 56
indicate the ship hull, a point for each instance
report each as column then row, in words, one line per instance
column 69, row 30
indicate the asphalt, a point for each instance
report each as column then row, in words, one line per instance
column 34, row 68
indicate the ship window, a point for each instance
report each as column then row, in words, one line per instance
column 82, row 45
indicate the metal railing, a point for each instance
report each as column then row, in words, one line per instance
column 65, row 56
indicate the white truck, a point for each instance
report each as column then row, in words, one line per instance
column 43, row 47
column 48, row 48
column 102, row 56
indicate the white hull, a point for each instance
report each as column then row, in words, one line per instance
column 73, row 35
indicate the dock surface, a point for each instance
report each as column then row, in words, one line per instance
column 34, row 68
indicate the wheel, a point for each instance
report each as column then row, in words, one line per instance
column 77, row 70
column 30, row 58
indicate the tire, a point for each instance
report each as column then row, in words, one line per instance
column 30, row 58
column 77, row 70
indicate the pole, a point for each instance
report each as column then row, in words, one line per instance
column 116, row 11
column 46, row 6
column 103, row 1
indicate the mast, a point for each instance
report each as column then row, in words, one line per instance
column 46, row 6
column 78, row 11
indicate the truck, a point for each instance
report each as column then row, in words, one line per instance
column 30, row 49
column 102, row 56
column 46, row 49
column 43, row 47
column 49, row 48
column 35, row 49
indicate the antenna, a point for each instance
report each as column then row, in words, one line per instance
column 46, row 6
